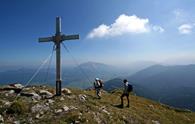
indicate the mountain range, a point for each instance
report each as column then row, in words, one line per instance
column 173, row 85
column 80, row 76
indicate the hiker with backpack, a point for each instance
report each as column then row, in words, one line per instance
column 98, row 85
column 127, row 89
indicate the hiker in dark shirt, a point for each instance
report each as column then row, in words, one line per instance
column 125, row 93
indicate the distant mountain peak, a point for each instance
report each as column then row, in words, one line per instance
column 92, row 63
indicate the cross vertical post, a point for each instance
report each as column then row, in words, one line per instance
column 58, row 60
column 58, row 39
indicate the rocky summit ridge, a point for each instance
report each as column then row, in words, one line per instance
column 39, row 105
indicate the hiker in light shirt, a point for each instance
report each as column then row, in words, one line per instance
column 98, row 84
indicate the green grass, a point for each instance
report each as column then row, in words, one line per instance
column 141, row 111
column 18, row 107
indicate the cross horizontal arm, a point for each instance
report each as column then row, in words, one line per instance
column 46, row 39
column 70, row 37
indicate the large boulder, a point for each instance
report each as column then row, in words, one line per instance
column 66, row 91
column 34, row 95
column 46, row 94
column 16, row 87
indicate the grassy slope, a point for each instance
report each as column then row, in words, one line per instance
column 91, row 111
column 144, row 111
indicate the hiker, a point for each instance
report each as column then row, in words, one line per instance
column 98, row 84
column 127, row 89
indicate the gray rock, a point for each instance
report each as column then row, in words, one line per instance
column 45, row 94
column 124, row 118
column 38, row 108
column 18, row 85
column 11, row 92
column 103, row 109
column 16, row 122
column 1, row 119
column 82, row 97
column 58, row 111
column 66, row 91
column 50, row 101
column 77, row 122
column 15, row 87
column 155, row 122
column 151, row 106
column 47, row 104
column 41, row 112
column 71, row 96
column 62, row 99
column 73, row 108
column 34, row 95
column 26, row 88
column 65, row 108
column 7, row 103
column 37, row 116
column 80, row 114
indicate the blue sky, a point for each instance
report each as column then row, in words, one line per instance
column 111, row 31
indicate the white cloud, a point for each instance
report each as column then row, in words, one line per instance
column 185, row 28
column 101, row 31
column 158, row 29
column 124, row 24
column 185, row 21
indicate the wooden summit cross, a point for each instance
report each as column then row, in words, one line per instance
column 58, row 39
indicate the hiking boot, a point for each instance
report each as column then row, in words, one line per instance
column 127, row 106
